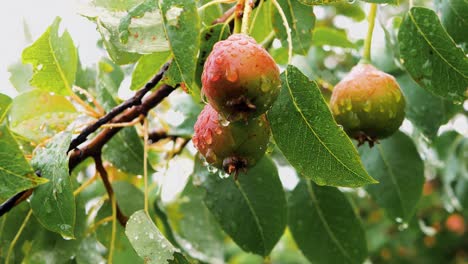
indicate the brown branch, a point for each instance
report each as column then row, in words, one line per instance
column 94, row 146
column 105, row 179
column 135, row 100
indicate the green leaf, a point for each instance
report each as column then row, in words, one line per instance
column 53, row 204
column 396, row 164
column 145, row 32
column 182, row 29
column 209, row 36
column 123, row 250
column 331, row 37
column 454, row 17
column 183, row 103
column 125, row 150
column 301, row 20
column 425, row 110
column 394, row 2
column 430, row 55
column 324, row 225
column 20, row 76
column 16, row 174
column 85, row 77
column 316, row 147
column 38, row 115
column 113, row 5
column 147, row 67
column 210, row 13
column 320, row 2
column 252, row 210
column 110, row 76
column 5, row 102
column 147, row 240
column 203, row 238
column 123, row 190
column 261, row 24
column 353, row 11
column 54, row 61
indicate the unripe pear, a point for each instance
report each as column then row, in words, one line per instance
column 240, row 79
column 368, row 103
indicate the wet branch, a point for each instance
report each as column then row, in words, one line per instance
column 105, row 179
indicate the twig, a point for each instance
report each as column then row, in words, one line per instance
column 94, row 146
column 105, row 179
column 135, row 100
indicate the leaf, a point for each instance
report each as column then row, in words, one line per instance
column 251, row 210
column 147, row 240
column 202, row 236
column 182, row 26
column 396, row 164
column 300, row 19
column 38, row 115
column 331, row 37
column 353, row 11
column 16, row 174
column 320, row 2
column 109, row 78
column 425, row 110
column 20, row 75
column 85, row 76
column 147, row 67
column 324, row 225
column 5, row 102
column 123, row 250
column 430, row 55
column 393, row 2
column 183, row 104
column 123, row 190
column 454, row 17
column 316, row 147
column 53, row 204
column 261, row 25
column 145, row 32
column 54, row 61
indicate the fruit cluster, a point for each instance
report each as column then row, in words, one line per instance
column 240, row 81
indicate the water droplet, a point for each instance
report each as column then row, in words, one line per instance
column 224, row 122
column 208, row 137
column 367, row 106
column 351, row 1
column 223, row 175
column 218, row 130
column 215, row 77
column 265, row 84
column 211, row 169
column 231, row 75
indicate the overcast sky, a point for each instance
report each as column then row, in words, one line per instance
column 39, row 15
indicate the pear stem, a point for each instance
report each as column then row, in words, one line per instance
column 366, row 56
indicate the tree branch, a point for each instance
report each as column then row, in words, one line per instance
column 94, row 146
column 135, row 100
column 105, row 179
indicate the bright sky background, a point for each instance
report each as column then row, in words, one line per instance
column 39, row 15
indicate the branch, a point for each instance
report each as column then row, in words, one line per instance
column 105, row 179
column 94, row 146
column 135, row 100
